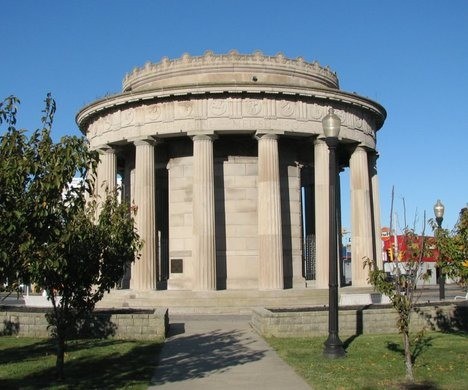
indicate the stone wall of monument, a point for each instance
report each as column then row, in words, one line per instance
column 290, row 186
column 236, row 221
column 180, row 222
column 236, row 215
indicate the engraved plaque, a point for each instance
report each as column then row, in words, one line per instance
column 177, row 266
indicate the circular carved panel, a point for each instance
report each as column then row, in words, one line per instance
column 252, row 107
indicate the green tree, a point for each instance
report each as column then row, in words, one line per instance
column 16, row 161
column 50, row 233
column 400, row 288
column 452, row 249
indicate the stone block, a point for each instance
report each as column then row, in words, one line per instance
column 125, row 322
column 229, row 183
column 241, row 231
column 177, row 220
column 251, row 169
column 180, row 183
column 252, row 243
column 241, row 218
column 234, row 169
column 180, row 208
column 176, row 171
column 188, row 170
column 181, row 232
column 355, row 299
column 183, row 195
column 177, row 244
column 241, row 205
column 246, row 182
column 233, row 244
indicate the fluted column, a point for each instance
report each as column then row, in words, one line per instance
column 374, row 182
column 144, row 270
column 106, row 172
column 270, row 251
column 322, row 214
column 361, row 216
column 204, row 244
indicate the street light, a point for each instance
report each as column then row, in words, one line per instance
column 333, row 346
column 439, row 214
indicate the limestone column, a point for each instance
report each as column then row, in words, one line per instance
column 309, row 223
column 144, row 270
column 374, row 182
column 127, row 182
column 361, row 217
column 322, row 214
column 270, row 250
column 126, row 196
column 204, row 244
column 106, row 171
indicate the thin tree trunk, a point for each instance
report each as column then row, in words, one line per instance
column 60, row 355
column 408, row 358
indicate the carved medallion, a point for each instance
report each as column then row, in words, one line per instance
column 252, row 107
column 287, row 108
column 218, row 107
column 153, row 113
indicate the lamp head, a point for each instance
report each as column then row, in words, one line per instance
column 439, row 209
column 331, row 124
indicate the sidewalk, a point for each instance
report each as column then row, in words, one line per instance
column 220, row 352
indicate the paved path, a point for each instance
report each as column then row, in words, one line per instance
column 220, row 352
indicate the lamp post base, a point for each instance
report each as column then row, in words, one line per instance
column 334, row 347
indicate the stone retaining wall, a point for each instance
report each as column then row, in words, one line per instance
column 148, row 325
column 373, row 319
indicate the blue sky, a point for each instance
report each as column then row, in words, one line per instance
column 410, row 56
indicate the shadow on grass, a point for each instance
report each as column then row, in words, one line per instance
column 109, row 370
column 31, row 351
column 419, row 345
column 349, row 340
column 426, row 385
column 419, row 386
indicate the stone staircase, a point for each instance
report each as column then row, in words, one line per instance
column 220, row 302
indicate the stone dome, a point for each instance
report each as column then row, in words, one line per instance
column 232, row 72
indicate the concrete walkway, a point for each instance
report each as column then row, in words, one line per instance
column 220, row 352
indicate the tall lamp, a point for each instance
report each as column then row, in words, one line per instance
column 331, row 124
column 439, row 214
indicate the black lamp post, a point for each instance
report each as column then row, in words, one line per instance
column 333, row 346
column 439, row 214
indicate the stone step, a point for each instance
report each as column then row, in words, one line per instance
column 219, row 302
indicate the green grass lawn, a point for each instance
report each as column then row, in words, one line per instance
column 376, row 362
column 29, row 363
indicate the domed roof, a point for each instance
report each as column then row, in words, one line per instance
column 231, row 71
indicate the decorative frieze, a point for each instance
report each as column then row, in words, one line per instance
column 245, row 113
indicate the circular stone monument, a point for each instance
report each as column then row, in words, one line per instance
column 225, row 158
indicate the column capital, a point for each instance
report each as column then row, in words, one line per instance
column 320, row 141
column 362, row 147
column 137, row 141
column 105, row 148
column 264, row 135
column 204, row 137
